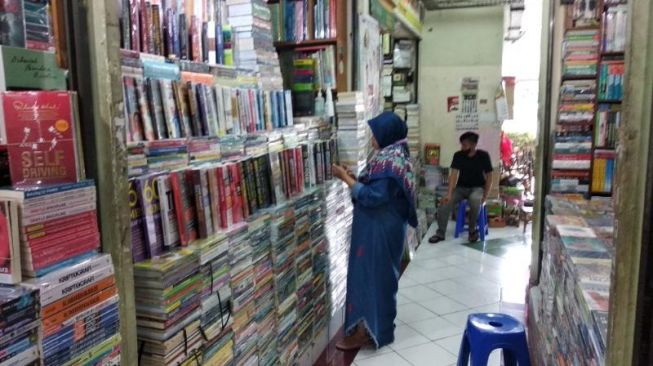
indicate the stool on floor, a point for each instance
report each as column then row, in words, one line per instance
column 488, row 332
column 461, row 221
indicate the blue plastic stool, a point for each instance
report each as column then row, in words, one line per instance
column 488, row 332
column 461, row 221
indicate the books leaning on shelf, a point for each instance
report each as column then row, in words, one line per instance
column 27, row 24
column 608, row 119
column 42, row 137
column 611, row 81
column 19, row 329
column 164, row 102
column 603, row 171
column 293, row 21
column 615, row 21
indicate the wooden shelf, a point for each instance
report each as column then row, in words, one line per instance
column 306, row 43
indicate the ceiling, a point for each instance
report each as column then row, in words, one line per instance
column 454, row 4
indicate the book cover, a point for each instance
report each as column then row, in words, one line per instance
column 41, row 133
column 203, row 108
column 158, row 37
column 247, row 167
column 214, row 192
column 169, row 109
column 182, row 32
column 156, row 108
column 149, row 25
column 149, row 197
column 137, row 226
column 182, row 108
column 195, row 34
column 237, row 194
column 146, row 119
column 168, row 213
column 226, row 204
column 12, row 23
column 190, row 92
column 184, row 205
column 212, row 109
column 132, row 110
column 10, row 261
column 142, row 14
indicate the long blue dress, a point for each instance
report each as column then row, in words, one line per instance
column 381, row 212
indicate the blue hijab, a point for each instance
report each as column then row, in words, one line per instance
column 392, row 161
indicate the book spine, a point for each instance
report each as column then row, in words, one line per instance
column 170, row 109
column 156, row 108
column 219, row 171
column 196, row 46
column 243, row 190
column 182, row 107
column 158, row 37
column 132, row 110
column 149, row 18
column 252, row 185
column 148, row 129
column 58, row 225
column 199, row 203
column 203, row 107
column 168, row 213
column 78, row 296
column 125, row 22
column 149, row 197
column 135, row 27
column 142, row 11
column 215, row 197
column 137, row 232
column 196, row 121
column 237, row 203
column 183, row 37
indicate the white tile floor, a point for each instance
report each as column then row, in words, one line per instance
column 444, row 284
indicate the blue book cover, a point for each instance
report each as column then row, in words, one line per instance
column 273, row 108
column 282, row 108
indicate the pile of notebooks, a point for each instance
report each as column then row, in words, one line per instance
column 285, row 281
column 259, row 233
column 79, row 312
column 20, row 319
column 168, row 296
column 353, row 132
column 243, row 295
column 573, row 297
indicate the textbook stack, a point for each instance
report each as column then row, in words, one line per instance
column 572, row 158
column 215, row 319
column 353, row 135
column 572, row 300
column 168, row 296
column 304, row 267
column 320, row 304
column 339, row 213
column 79, row 312
column 254, row 47
column 285, row 281
column 412, row 121
column 243, row 305
column 19, row 325
column 581, row 53
column 259, row 232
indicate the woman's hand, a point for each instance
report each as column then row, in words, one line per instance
column 350, row 173
column 339, row 172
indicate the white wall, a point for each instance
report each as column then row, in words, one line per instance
column 456, row 44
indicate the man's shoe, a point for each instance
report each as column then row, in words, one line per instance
column 435, row 239
column 473, row 237
column 355, row 341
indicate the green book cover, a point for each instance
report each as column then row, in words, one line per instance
column 28, row 69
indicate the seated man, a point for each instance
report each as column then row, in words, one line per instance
column 470, row 179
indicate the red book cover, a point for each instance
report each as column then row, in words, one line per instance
column 60, row 237
column 300, row 169
column 333, row 11
column 41, row 137
column 196, row 47
column 75, row 248
column 135, row 21
column 142, row 9
column 56, row 225
column 243, row 191
column 223, row 197
column 236, row 194
column 184, row 206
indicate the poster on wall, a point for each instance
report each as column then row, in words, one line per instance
column 453, row 104
column 370, row 63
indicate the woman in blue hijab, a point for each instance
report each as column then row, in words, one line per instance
column 383, row 197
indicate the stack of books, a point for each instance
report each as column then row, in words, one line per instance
column 581, row 53
column 168, row 296
column 572, row 301
column 572, row 157
column 304, row 267
column 220, row 350
column 213, row 254
column 412, row 120
column 304, row 75
column 243, row 294
column 259, row 233
column 285, row 281
column 353, row 135
column 19, row 311
column 79, row 312
column 319, row 250
column 338, row 217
